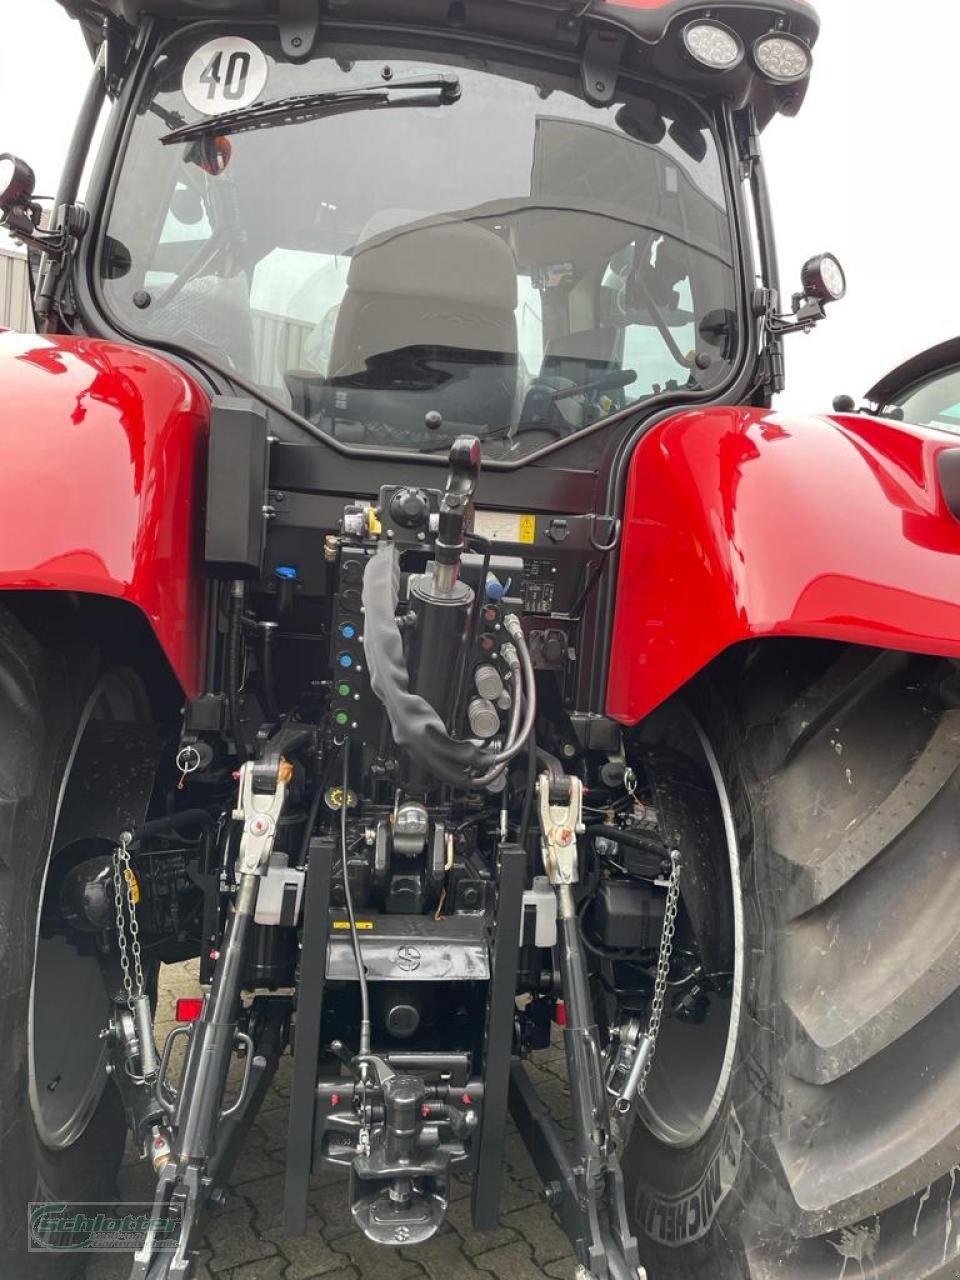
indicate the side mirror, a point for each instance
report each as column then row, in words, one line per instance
column 17, row 183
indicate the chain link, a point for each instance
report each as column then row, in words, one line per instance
column 126, row 910
column 663, row 965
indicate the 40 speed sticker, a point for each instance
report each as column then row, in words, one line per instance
column 226, row 74
column 679, row 1220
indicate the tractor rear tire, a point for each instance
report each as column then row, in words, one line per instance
column 49, row 687
column 836, row 1150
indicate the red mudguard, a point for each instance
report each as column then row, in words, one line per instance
column 101, row 479
column 741, row 523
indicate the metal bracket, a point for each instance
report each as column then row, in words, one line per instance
column 614, row 528
column 259, row 811
column 498, row 1040
column 561, row 821
column 116, row 49
column 587, row 1196
column 306, row 1049
column 600, row 67
column 299, row 27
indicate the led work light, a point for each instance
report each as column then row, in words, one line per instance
column 713, row 45
column 823, row 278
column 17, row 182
column 783, row 59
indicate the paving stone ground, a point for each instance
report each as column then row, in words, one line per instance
column 245, row 1241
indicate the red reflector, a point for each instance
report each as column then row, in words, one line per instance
column 189, row 1008
column 560, row 1014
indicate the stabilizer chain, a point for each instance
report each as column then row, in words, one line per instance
column 125, row 896
column 639, row 1055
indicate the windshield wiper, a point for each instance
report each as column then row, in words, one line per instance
column 310, row 106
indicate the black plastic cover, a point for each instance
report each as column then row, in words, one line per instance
column 649, row 21
column 237, row 481
column 948, row 465
column 642, row 35
column 629, row 914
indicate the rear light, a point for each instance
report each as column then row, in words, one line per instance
column 783, row 59
column 189, row 1008
column 713, row 45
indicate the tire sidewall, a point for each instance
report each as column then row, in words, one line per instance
column 46, row 692
column 696, row 1209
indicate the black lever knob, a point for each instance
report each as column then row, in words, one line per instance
column 462, row 481
column 464, row 469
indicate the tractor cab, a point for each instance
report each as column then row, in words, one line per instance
column 396, row 447
column 415, row 612
column 519, row 220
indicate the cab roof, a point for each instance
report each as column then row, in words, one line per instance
column 643, row 35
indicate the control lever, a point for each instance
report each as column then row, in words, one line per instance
column 462, row 480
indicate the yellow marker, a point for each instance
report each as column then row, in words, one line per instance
column 373, row 523
column 134, row 884
column 334, row 798
column 345, row 924
column 528, row 528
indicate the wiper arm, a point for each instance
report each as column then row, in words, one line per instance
column 434, row 91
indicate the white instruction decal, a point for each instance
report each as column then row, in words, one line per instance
column 225, row 75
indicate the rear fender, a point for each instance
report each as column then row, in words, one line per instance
column 101, row 487
column 741, row 523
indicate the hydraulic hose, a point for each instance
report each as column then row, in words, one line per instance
column 234, row 642
column 515, row 736
column 633, row 839
column 311, row 823
column 515, row 706
column 365, row 1027
column 515, row 744
column 415, row 724
column 526, row 813
column 268, row 631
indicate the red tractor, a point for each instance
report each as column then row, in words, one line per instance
column 414, row 608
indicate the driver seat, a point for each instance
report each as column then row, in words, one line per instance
column 427, row 322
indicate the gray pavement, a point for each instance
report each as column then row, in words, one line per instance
column 245, row 1241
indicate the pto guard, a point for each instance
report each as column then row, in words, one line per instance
column 741, row 523
column 102, row 479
